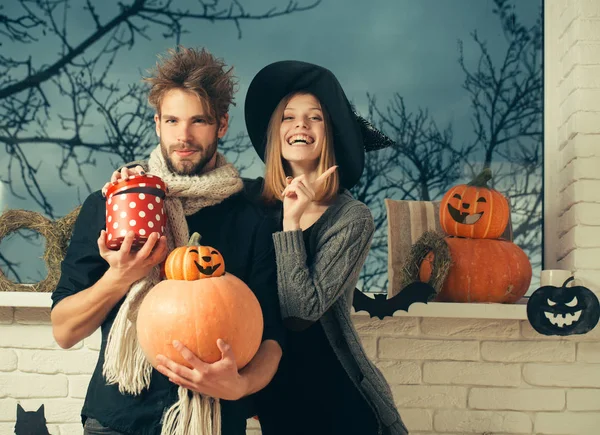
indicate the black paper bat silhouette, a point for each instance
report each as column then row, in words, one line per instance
column 381, row 306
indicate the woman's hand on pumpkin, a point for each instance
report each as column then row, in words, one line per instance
column 123, row 174
column 220, row 379
column 298, row 194
column 128, row 265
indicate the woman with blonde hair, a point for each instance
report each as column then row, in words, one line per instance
column 313, row 144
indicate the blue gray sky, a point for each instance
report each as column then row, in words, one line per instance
column 381, row 47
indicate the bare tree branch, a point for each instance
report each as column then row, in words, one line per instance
column 145, row 12
column 9, row 268
column 19, row 29
column 71, row 105
column 423, row 163
column 506, row 101
column 76, row 90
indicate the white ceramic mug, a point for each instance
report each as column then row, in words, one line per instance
column 554, row 277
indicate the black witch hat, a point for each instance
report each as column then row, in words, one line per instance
column 352, row 134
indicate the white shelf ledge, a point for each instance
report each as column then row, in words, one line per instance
column 516, row 311
column 25, row 299
column 431, row 309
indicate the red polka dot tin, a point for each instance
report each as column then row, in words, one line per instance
column 135, row 204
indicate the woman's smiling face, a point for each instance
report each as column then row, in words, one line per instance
column 302, row 129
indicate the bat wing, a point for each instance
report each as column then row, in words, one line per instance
column 413, row 292
column 380, row 306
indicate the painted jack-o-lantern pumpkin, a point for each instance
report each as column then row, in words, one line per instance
column 563, row 310
column 483, row 268
column 474, row 210
column 194, row 261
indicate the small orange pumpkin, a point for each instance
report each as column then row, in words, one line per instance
column 194, row 261
column 474, row 210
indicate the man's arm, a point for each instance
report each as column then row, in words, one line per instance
column 261, row 369
column 78, row 316
column 93, row 278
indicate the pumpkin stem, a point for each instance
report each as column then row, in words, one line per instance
column 195, row 239
column 569, row 279
column 482, row 179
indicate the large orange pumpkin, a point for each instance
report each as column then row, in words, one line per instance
column 482, row 270
column 474, row 210
column 194, row 261
column 197, row 313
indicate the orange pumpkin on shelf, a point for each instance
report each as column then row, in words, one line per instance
column 194, row 261
column 197, row 313
column 474, row 210
column 482, row 270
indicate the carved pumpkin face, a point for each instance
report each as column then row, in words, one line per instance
column 474, row 210
column 209, row 261
column 563, row 310
column 194, row 261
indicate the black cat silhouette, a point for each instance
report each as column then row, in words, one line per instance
column 31, row 422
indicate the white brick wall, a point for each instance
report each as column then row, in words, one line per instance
column 35, row 371
column 572, row 91
column 515, row 382
column 448, row 376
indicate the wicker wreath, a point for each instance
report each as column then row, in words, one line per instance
column 57, row 234
column 430, row 241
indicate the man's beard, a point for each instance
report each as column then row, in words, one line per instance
column 189, row 168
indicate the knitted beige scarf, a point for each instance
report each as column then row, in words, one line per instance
column 125, row 363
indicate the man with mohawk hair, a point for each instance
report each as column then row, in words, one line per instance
column 191, row 91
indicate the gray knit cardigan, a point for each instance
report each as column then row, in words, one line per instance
column 322, row 291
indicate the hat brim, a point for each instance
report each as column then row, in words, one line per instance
column 279, row 79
